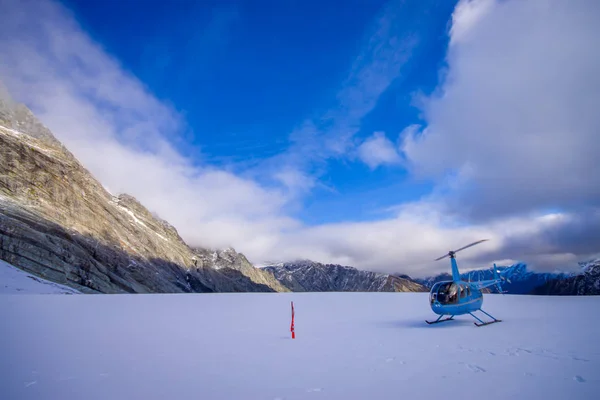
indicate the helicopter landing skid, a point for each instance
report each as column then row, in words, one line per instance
column 440, row 320
column 485, row 323
column 488, row 323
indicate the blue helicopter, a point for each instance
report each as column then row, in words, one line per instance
column 458, row 297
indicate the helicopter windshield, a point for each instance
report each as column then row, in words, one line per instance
column 447, row 293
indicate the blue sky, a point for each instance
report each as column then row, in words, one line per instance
column 380, row 134
column 246, row 74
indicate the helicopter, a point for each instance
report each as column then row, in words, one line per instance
column 458, row 297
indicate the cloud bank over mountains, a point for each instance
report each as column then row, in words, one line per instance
column 510, row 141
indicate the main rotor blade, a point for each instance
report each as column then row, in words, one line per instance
column 437, row 259
column 462, row 248
column 469, row 245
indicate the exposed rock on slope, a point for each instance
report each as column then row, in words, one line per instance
column 235, row 265
column 309, row 276
column 57, row 221
column 19, row 118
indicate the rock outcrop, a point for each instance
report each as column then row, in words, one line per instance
column 58, row 221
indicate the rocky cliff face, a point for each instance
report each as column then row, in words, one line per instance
column 309, row 276
column 58, row 222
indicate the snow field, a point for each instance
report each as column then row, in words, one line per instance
column 347, row 346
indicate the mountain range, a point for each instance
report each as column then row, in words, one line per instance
column 310, row 276
column 586, row 282
column 58, row 222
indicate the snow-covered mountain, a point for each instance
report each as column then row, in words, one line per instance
column 310, row 276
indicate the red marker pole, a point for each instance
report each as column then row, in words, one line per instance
column 292, row 326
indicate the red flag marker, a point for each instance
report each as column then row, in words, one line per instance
column 292, row 326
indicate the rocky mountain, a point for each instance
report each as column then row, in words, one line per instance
column 309, row 276
column 585, row 283
column 58, row 222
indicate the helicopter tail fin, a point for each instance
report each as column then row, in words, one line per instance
column 498, row 279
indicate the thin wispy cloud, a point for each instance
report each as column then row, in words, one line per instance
column 387, row 46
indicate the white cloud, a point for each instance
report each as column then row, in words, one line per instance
column 517, row 115
column 512, row 134
column 523, row 80
column 419, row 233
column 294, row 180
column 378, row 150
column 467, row 14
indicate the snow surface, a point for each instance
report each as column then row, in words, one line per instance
column 347, row 346
column 16, row 281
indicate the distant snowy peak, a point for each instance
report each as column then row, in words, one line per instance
column 587, row 266
column 311, row 276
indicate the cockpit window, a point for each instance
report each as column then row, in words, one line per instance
column 448, row 293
